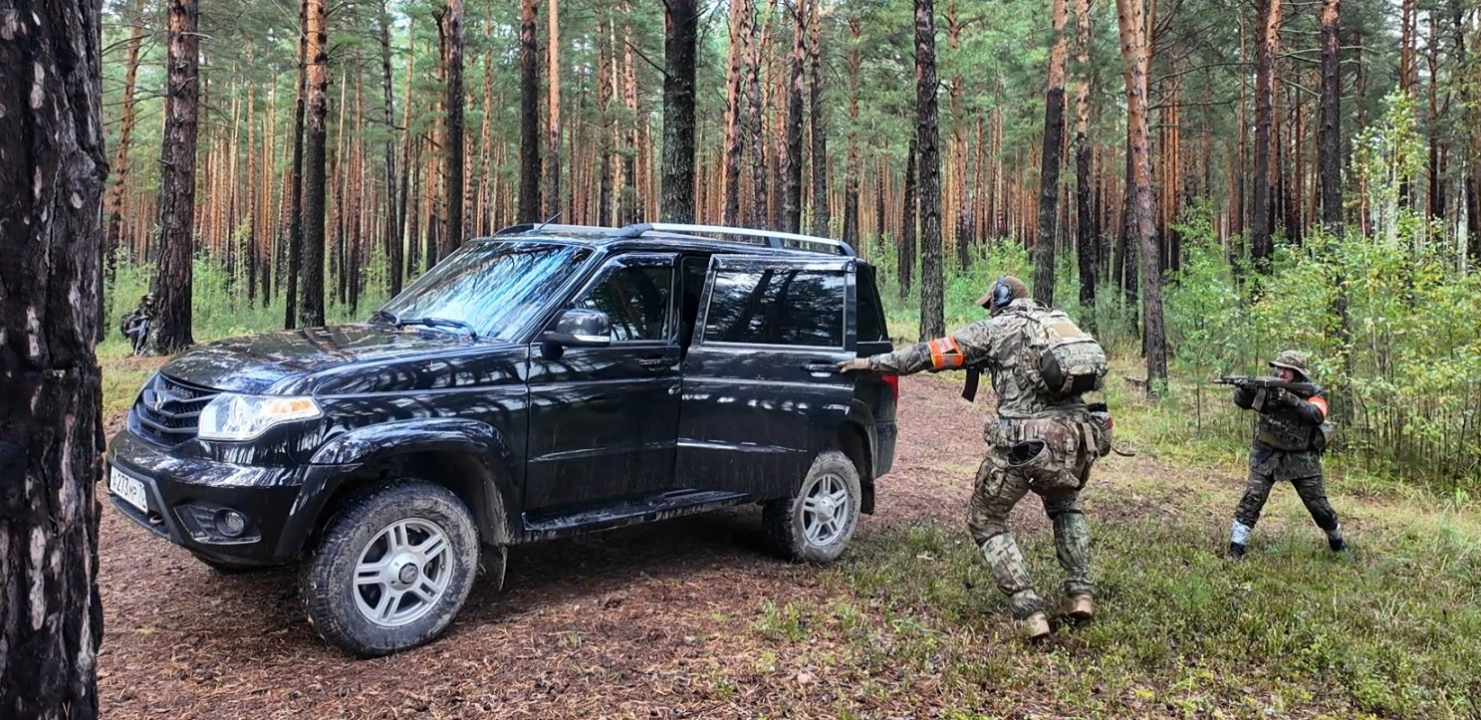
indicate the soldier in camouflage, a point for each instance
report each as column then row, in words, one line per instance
column 1035, row 445
column 1285, row 446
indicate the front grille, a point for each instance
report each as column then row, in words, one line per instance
column 168, row 411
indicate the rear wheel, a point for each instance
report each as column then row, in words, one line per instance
column 392, row 569
column 817, row 521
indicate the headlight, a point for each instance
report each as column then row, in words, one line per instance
column 243, row 417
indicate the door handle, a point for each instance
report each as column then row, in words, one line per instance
column 816, row 367
column 654, row 363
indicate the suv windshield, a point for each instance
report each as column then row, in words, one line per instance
column 493, row 288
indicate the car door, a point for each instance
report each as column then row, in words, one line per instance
column 761, row 394
column 603, row 420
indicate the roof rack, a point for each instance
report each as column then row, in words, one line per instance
column 526, row 227
column 773, row 238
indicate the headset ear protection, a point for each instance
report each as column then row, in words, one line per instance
column 1001, row 294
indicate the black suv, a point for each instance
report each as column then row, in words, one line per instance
column 547, row 381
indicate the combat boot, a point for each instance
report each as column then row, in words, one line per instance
column 1337, row 544
column 1236, row 551
column 1035, row 627
column 1079, row 607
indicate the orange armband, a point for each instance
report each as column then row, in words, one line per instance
column 945, row 354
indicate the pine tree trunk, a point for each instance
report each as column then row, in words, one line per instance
column 1134, row 59
column 1331, row 141
column 851, row 234
column 792, row 155
column 170, row 329
column 1045, row 239
column 295, row 178
column 680, row 48
column 394, row 268
column 1087, row 236
column 120, row 169
column 529, row 114
column 821, row 215
column 316, row 116
column 753, row 128
column 51, row 432
column 457, row 230
column 553, row 115
column 742, row 16
column 932, row 310
column 906, row 253
column 1265, row 51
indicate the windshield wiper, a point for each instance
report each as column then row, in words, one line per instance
column 439, row 322
column 386, row 315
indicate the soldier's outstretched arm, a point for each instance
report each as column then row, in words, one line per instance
column 966, row 346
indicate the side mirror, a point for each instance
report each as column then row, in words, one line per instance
column 580, row 327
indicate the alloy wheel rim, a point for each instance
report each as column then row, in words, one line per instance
column 402, row 572
column 825, row 510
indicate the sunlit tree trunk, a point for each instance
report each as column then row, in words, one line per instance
column 932, row 312
column 1134, row 61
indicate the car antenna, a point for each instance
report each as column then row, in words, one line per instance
column 547, row 221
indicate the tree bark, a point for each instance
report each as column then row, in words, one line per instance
column 1087, row 235
column 932, row 311
column 1134, row 60
column 820, row 209
column 295, row 178
column 792, row 157
column 529, row 114
column 316, row 116
column 753, row 128
column 120, row 169
column 51, row 432
column 1045, row 239
column 742, row 15
column 1331, row 142
column 680, row 48
column 170, row 329
column 393, row 239
column 553, row 115
column 1265, row 50
column 906, row 252
column 456, row 148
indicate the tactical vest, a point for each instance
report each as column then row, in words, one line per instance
column 1282, row 432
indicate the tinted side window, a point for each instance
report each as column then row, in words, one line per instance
column 636, row 299
column 871, row 312
column 776, row 307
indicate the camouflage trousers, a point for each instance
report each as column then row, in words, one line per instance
column 1000, row 485
column 1311, row 490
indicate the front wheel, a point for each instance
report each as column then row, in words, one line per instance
column 816, row 523
column 392, row 570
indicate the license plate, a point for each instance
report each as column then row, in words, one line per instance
column 131, row 490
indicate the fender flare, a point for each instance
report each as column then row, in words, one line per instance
column 336, row 462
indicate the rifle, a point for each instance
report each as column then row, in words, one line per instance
column 1251, row 382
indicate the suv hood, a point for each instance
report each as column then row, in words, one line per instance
column 255, row 363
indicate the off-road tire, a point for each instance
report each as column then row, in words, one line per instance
column 786, row 521
column 328, row 584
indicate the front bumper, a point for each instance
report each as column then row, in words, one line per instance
column 184, row 496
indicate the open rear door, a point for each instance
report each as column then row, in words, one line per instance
column 761, row 395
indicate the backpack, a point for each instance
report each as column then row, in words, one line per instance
column 1061, row 360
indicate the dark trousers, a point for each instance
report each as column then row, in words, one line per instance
column 1313, row 496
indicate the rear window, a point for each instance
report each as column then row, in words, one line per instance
column 776, row 307
column 871, row 311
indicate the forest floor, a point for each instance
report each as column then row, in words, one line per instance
column 691, row 618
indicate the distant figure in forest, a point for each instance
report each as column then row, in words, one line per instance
column 136, row 325
column 1044, row 438
column 1290, row 436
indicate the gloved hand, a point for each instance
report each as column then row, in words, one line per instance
column 855, row 365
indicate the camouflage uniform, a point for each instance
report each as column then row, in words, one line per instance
column 1062, row 434
column 1282, row 449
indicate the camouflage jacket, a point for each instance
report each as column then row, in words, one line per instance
column 1281, row 446
column 995, row 344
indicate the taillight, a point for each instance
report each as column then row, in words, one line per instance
column 894, row 382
